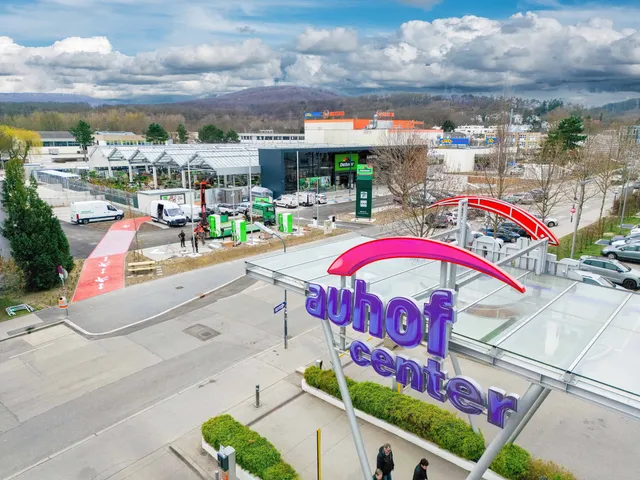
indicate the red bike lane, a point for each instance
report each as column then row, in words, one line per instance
column 103, row 271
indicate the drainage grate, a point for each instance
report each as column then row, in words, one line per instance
column 201, row 332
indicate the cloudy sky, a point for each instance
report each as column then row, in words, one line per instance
column 581, row 50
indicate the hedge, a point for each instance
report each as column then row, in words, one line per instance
column 436, row 425
column 254, row 453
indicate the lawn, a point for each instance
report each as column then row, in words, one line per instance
column 6, row 302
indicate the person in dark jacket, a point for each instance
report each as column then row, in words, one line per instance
column 420, row 473
column 182, row 236
column 385, row 461
column 377, row 475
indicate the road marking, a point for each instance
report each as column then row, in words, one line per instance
column 31, row 351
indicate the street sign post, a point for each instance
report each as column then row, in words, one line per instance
column 279, row 307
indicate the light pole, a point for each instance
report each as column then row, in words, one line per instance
column 266, row 229
column 298, row 190
column 193, row 242
column 625, row 190
column 583, row 184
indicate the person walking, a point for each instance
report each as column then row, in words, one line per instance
column 420, row 472
column 195, row 239
column 385, row 461
column 377, row 475
column 182, row 236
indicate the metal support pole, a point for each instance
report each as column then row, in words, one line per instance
column 257, row 396
column 346, row 398
column 624, row 203
column 525, row 404
column 298, row 190
column 319, row 452
column 155, row 177
column 155, row 180
column 458, row 372
column 578, row 216
column 286, row 326
column 529, row 415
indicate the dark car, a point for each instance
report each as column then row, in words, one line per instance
column 503, row 234
column 514, row 227
column 438, row 221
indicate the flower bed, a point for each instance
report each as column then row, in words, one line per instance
column 254, row 453
column 435, row 425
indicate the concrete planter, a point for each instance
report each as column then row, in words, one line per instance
column 240, row 473
column 409, row 437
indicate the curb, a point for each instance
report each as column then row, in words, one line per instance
column 409, row 437
column 186, row 459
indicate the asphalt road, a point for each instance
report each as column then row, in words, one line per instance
column 83, row 239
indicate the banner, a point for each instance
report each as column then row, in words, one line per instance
column 346, row 162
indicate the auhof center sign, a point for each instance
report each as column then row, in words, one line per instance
column 408, row 324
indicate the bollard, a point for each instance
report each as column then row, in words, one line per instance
column 257, row 396
column 319, row 364
column 217, row 475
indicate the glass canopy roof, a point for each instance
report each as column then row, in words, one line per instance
column 567, row 335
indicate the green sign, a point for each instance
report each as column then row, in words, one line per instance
column 346, row 162
column 364, row 171
column 364, row 191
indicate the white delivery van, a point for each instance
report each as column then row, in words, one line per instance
column 167, row 212
column 186, row 211
column 94, row 211
column 306, row 199
column 286, row 201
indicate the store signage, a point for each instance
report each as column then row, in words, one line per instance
column 454, row 141
column 346, row 162
column 490, row 140
column 177, row 198
column 328, row 114
column 313, row 115
column 385, row 114
column 364, row 171
column 364, row 191
column 408, row 324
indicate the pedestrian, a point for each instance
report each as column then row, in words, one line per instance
column 420, row 472
column 182, row 236
column 377, row 475
column 385, row 461
column 195, row 240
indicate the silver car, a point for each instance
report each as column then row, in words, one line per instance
column 630, row 251
column 613, row 270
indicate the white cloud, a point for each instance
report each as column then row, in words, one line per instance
column 536, row 53
column 339, row 39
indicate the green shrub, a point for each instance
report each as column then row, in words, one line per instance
column 541, row 468
column 422, row 419
column 254, row 453
column 435, row 425
column 512, row 462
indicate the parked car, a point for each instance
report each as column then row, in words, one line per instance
column 549, row 221
column 635, row 230
column 615, row 271
column 480, row 234
column 630, row 252
column 510, row 199
column 514, row 227
column 321, row 199
column 503, row 234
column 590, row 278
column 627, row 239
column 421, row 200
column 524, row 198
column 226, row 209
column 438, row 221
column 537, row 194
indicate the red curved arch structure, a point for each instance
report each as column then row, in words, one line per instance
column 527, row 221
column 361, row 255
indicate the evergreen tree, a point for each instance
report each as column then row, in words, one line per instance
column 232, row 137
column 156, row 133
column 211, row 134
column 84, row 136
column 569, row 133
column 38, row 244
column 448, row 126
column 183, row 135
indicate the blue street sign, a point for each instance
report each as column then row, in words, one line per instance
column 277, row 308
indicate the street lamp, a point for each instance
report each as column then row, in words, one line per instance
column 583, row 184
column 193, row 242
column 266, row 229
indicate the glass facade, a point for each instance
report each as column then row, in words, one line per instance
column 318, row 167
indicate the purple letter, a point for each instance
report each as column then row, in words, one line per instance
column 435, row 377
column 409, row 371
column 341, row 315
column 498, row 403
column 396, row 310
column 382, row 361
column 357, row 351
column 439, row 311
column 363, row 300
column 316, row 303
column 466, row 395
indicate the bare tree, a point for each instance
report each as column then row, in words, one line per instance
column 550, row 172
column 401, row 164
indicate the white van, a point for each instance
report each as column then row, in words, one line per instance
column 286, row 201
column 167, row 212
column 94, row 211
column 306, row 199
column 197, row 212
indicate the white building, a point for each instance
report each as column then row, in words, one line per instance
column 365, row 132
column 57, row 147
column 269, row 136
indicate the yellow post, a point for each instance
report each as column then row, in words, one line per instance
column 399, row 388
column 319, row 454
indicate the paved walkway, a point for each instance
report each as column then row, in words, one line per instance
column 103, row 271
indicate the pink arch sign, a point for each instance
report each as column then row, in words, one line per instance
column 412, row 247
column 527, row 221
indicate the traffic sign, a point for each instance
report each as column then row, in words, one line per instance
column 279, row 307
